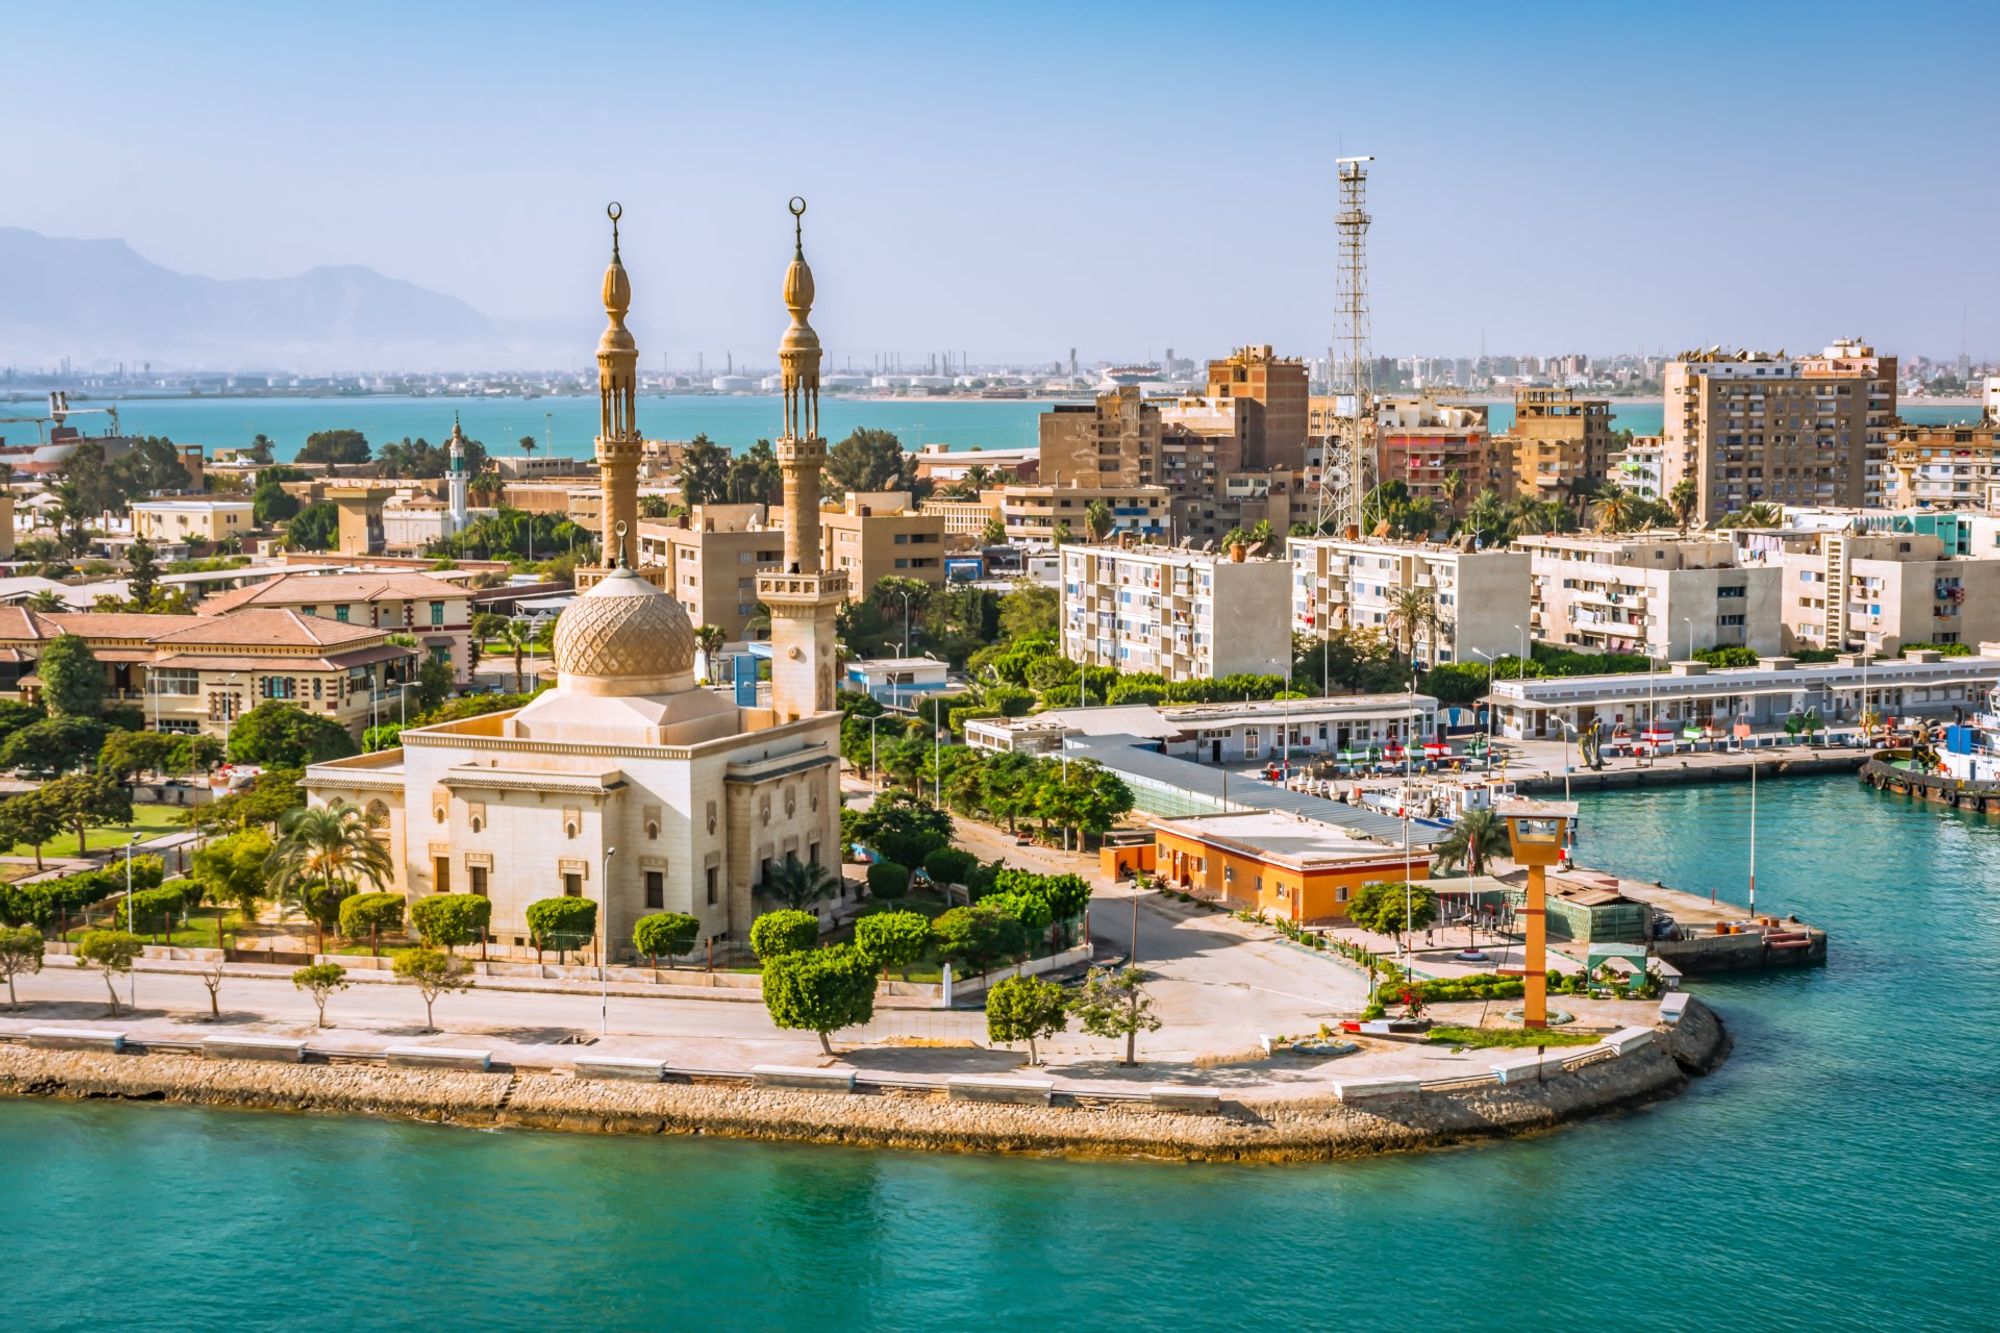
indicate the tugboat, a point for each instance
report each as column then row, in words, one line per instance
column 1956, row 765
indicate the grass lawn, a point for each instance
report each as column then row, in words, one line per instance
column 150, row 820
column 198, row 933
column 1511, row 1038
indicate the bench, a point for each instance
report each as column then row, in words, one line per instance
column 1672, row 1005
column 1627, row 1040
column 438, row 1057
column 76, row 1039
column 802, row 1076
column 1531, row 1067
column 253, row 1048
column 1369, row 1089
column 1196, row 1101
column 1012, row 1091
column 629, row 1068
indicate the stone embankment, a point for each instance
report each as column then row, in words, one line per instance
column 1248, row 1128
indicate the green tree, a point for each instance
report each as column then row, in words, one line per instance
column 434, row 973
column 142, row 575
column 370, row 914
column 1389, row 908
column 111, row 952
column 283, row 735
column 334, row 447
column 902, row 828
column 820, row 990
column 53, row 746
column 799, row 884
column 888, row 881
column 1098, row 520
column 709, row 640
column 323, row 854
column 29, row 819
column 321, row 980
column 892, row 939
column 314, row 528
column 269, row 797
column 1116, row 1005
column 1684, row 498
column 451, row 919
column 871, row 460
column 562, row 923
column 993, row 532
column 126, row 754
column 947, row 865
column 1026, row 1009
column 775, row 934
column 21, row 949
column 1472, row 841
column 669, row 933
column 72, row 678
column 1413, row 615
column 271, row 504
column 88, row 798
column 978, row 938
column 754, row 476
column 704, row 474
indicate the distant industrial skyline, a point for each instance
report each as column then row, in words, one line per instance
column 1014, row 183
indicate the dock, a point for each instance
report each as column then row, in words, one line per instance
column 1676, row 770
column 1710, row 935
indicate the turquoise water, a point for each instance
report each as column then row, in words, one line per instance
column 1837, row 1173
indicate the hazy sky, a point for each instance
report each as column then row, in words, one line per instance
column 1015, row 179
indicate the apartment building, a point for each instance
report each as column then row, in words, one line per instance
column 964, row 520
column 875, row 535
column 1243, row 500
column 436, row 613
column 1183, row 615
column 1110, row 441
column 710, row 560
column 1480, row 599
column 1955, row 466
column 1640, row 467
column 186, row 522
column 1200, row 442
column 1034, row 513
column 1274, row 393
column 1875, row 591
column 1655, row 593
column 1558, row 441
column 1846, row 359
column 1442, row 454
column 1750, row 428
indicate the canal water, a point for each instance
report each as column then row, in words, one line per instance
column 1837, row 1173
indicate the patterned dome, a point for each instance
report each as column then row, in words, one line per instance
column 625, row 636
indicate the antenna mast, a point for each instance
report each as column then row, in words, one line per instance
column 1345, row 460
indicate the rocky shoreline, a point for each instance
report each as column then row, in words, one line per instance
column 1246, row 1130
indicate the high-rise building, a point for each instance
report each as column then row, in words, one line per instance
column 1183, row 615
column 1440, row 453
column 1110, row 441
column 1949, row 466
column 1558, row 442
column 1845, row 359
column 1478, row 600
column 1749, row 428
column 1276, row 391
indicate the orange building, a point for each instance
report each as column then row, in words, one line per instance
column 1295, row 868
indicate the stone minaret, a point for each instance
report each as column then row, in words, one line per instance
column 803, row 600
column 618, row 443
column 456, row 503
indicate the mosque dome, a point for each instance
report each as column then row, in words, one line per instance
column 624, row 637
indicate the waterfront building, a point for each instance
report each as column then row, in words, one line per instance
column 197, row 674
column 1875, row 591
column 1922, row 684
column 627, row 783
column 1658, row 593
column 1180, row 614
column 710, row 559
column 1297, row 869
column 1273, row 393
column 874, row 535
column 1846, row 359
column 1443, row 454
column 190, row 522
column 1751, row 428
column 434, row 612
column 1035, row 513
column 1559, row 442
column 1951, row 466
column 1109, row 441
column 1480, row 599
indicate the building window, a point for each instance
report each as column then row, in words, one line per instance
column 279, row 687
column 340, row 613
column 441, row 874
column 572, row 885
column 477, row 875
column 656, row 888
column 711, row 885
column 437, row 613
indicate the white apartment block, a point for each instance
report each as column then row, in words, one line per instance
column 1876, row 591
column 1183, row 615
column 1481, row 598
column 1655, row 593
column 1641, row 468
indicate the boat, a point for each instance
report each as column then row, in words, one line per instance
column 1957, row 764
column 1115, row 377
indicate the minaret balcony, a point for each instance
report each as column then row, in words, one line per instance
column 780, row 586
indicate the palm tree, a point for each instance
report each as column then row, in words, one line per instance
column 1098, row 520
column 1683, row 497
column 709, row 639
column 905, row 598
column 1763, row 514
column 329, row 846
column 1486, row 517
column 1260, row 536
column 528, row 445
column 1617, row 511
column 1062, row 533
column 1454, row 488
column 1472, row 840
column 518, row 636
column 48, row 601
column 993, row 532
column 1412, row 610
column 799, row 884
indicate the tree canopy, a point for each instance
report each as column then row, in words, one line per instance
column 820, row 990
column 277, row 734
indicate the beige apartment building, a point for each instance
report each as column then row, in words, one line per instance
column 1275, row 394
column 1846, row 359
column 1201, row 442
column 710, row 558
column 1750, row 428
column 1954, row 466
column 1182, row 615
column 1481, row 599
column 1558, row 441
column 184, row 522
column 1441, row 453
column 1655, row 593
column 875, row 535
column 964, row 520
column 1110, row 441
column 1035, row 513
column 1875, row 591
column 1243, row 500
column 434, row 612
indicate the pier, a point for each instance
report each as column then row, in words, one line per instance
column 1709, row 935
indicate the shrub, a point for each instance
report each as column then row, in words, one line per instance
column 155, row 910
column 370, row 914
column 1024, row 1009
column 451, row 919
column 1030, row 909
column 819, row 990
column 951, row 865
column 669, row 933
column 775, row 934
column 434, row 973
column 562, row 924
column 886, row 879
column 892, row 939
column 978, row 938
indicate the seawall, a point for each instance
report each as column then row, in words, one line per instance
column 1247, row 1129
column 1686, row 770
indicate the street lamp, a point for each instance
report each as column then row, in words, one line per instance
column 603, row 943
column 1492, row 706
column 906, row 621
column 1535, row 837
column 1689, row 622
column 131, row 977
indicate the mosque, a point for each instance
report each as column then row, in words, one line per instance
column 626, row 782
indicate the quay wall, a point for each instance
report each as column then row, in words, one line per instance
column 1684, row 770
column 1938, row 788
column 1243, row 1129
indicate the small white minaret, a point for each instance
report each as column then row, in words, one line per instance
column 455, row 496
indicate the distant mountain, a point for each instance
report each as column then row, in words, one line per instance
column 98, row 301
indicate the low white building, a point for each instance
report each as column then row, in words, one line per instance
column 1660, row 594
column 183, row 522
column 1229, row 733
column 1182, row 615
column 1480, row 598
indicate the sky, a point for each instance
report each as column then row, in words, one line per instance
column 1012, row 181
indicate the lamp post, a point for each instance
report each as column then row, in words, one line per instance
column 1492, row 706
column 603, row 943
column 1689, row 622
column 1535, row 833
column 131, row 977
column 874, row 755
column 906, row 622
column 1408, row 728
